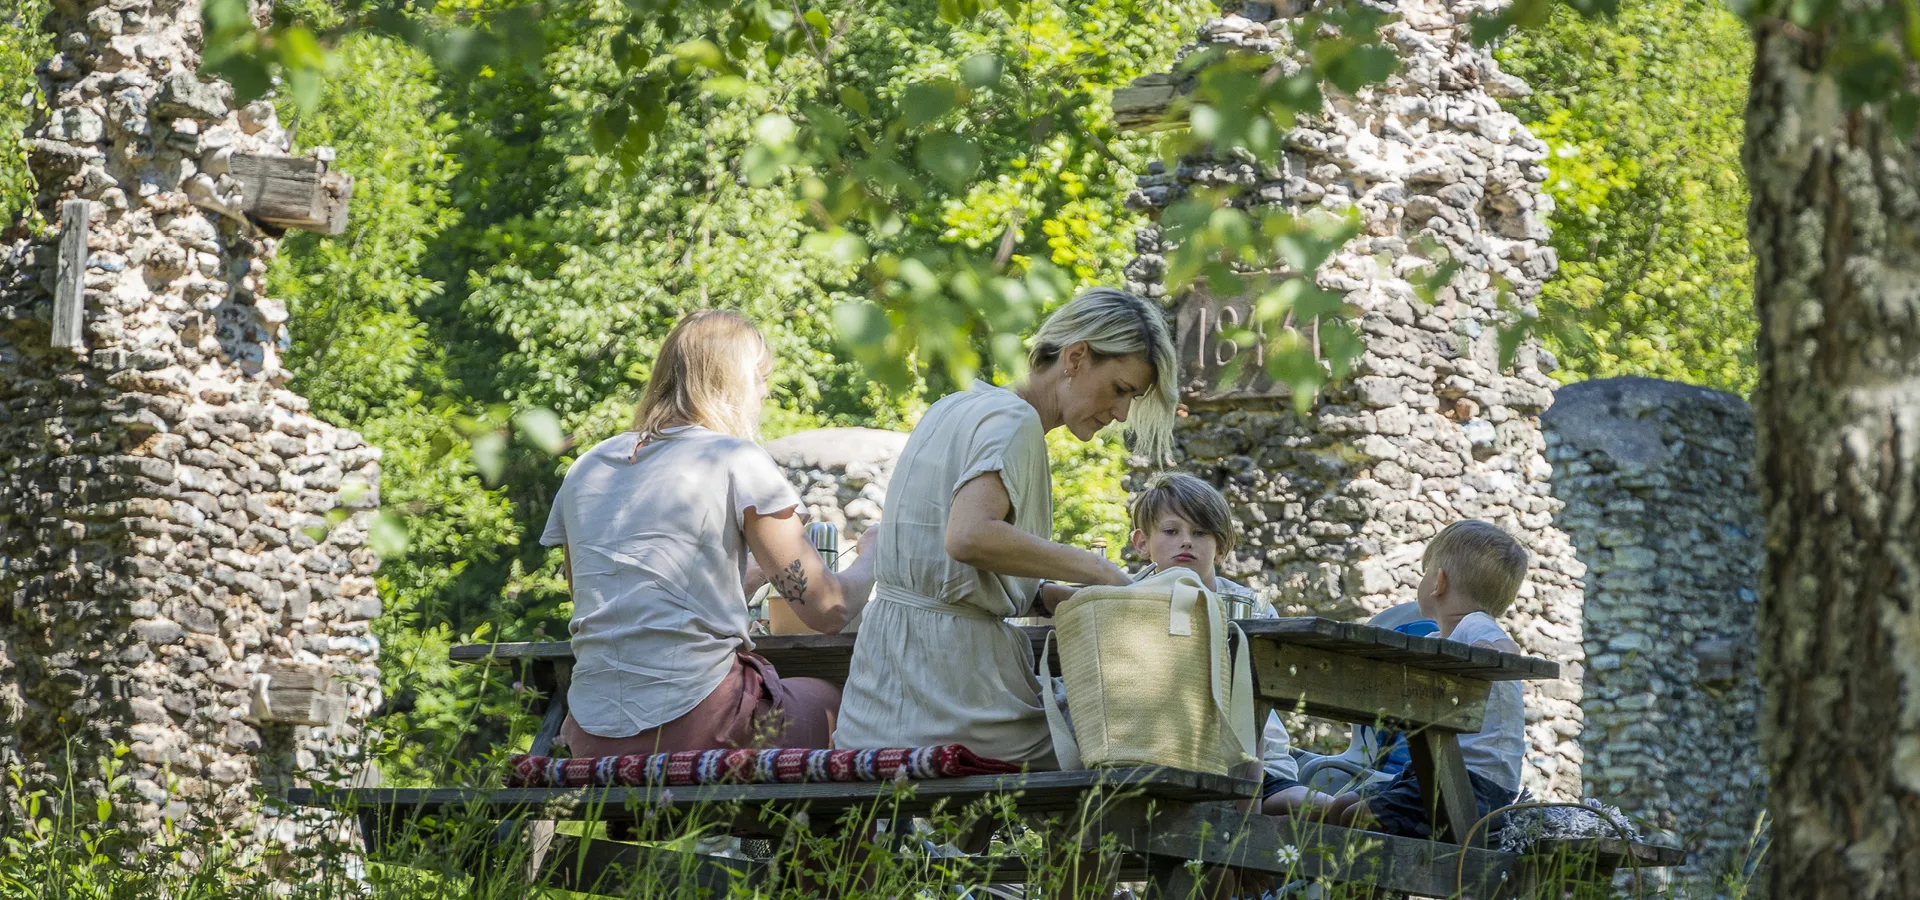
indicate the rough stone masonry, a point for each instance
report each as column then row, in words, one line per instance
column 183, row 566
column 1660, row 503
column 1338, row 504
column 1638, row 488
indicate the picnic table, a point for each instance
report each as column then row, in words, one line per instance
column 1431, row 689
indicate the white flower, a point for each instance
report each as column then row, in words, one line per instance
column 1287, row 855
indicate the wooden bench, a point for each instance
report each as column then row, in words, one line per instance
column 1160, row 820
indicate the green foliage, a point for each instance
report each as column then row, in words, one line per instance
column 1643, row 116
column 22, row 46
column 863, row 151
column 498, row 267
column 367, row 360
column 1089, row 497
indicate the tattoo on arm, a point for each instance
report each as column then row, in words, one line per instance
column 791, row 582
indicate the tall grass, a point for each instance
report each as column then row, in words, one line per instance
column 56, row 850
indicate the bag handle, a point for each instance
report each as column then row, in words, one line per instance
column 1185, row 591
column 1234, row 701
column 1066, row 750
column 1240, row 714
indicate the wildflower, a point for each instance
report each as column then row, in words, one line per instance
column 1287, row 855
column 1194, row 866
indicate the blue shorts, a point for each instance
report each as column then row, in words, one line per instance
column 1396, row 807
column 1271, row 785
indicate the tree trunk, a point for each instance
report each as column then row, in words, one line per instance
column 1835, row 230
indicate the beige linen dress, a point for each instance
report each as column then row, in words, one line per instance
column 936, row 662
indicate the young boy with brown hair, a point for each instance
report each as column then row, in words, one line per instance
column 1473, row 571
column 1180, row 521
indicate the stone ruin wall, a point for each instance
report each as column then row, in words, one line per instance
column 174, row 526
column 841, row 474
column 1633, row 496
column 162, row 491
column 1656, row 478
column 1336, row 506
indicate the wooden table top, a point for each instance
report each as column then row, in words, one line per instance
column 827, row 655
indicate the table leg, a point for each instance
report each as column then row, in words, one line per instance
column 1170, row 878
column 539, row 834
column 1445, row 790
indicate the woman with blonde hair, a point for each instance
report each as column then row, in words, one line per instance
column 967, row 538
column 658, row 523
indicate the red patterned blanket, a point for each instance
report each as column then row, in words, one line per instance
column 788, row 766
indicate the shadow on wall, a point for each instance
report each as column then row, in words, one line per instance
column 1656, row 481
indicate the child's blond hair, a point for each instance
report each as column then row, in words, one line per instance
column 705, row 376
column 1189, row 498
column 1481, row 561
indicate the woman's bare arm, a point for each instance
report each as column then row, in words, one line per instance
column 826, row 601
column 979, row 535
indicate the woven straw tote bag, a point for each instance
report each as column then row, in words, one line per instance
column 1150, row 679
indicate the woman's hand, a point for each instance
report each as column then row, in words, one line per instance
column 869, row 540
column 1114, row 574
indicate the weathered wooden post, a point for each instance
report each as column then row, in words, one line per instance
column 170, row 579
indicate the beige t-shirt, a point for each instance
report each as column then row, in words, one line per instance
column 936, row 661
column 659, row 553
column 963, row 436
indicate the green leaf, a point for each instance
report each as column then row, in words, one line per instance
column 982, row 70
column 1903, row 112
column 387, row 535
column 701, row 52
column 950, row 158
column 775, row 130
column 861, row 324
column 1441, row 276
column 541, row 428
column 927, row 101
column 853, row 99
column 490, row 455
column 1341, row 345
column 103, row 809
column 760, row 164
column 1512, row 336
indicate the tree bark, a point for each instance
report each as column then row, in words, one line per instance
column 1835, row 231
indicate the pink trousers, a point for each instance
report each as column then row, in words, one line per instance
column 753, row 708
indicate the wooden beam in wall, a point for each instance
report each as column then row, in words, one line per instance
column 70, row 277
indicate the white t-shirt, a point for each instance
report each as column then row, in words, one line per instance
column 659, row 554
column 1496, row 750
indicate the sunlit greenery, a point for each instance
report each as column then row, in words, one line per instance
column 508, row 254
column 1643, row 115
column 22, row 46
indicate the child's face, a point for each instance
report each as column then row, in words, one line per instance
column 1175, row 542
